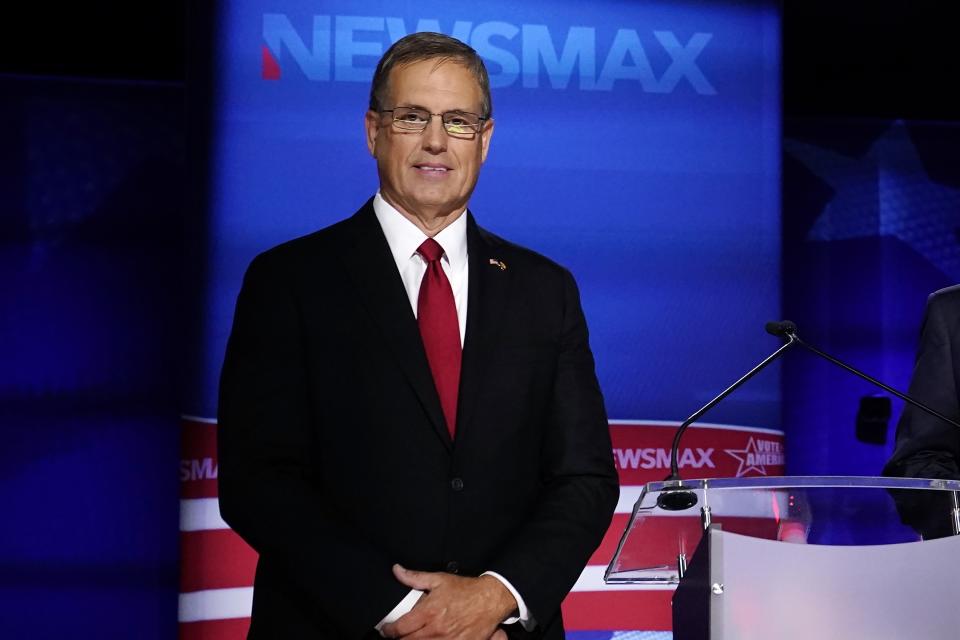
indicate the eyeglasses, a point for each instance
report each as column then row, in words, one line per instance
column 459, row 124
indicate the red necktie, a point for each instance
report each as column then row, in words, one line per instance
column 440, row 330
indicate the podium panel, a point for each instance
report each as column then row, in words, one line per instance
column 799, row 557
column 761, row 589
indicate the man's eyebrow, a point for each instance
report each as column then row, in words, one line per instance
column 418, row 106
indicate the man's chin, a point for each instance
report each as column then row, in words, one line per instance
column 435, row 206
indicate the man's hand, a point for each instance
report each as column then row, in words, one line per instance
column 452, row 607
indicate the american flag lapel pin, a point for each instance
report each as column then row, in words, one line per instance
column 498, row 263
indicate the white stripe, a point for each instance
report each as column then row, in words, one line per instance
column 629, row 494
column 215, row 604
column 200, row 514
column 592, row 580
column 223, row 604
column 203, row 514
column 622, row 423
column 696, row 425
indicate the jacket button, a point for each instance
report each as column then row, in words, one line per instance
column 453, row 566
column 456, row 484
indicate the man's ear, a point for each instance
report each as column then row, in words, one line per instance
column 371, row 123
column 485, row 134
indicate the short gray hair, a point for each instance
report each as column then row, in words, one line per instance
column 427, row 45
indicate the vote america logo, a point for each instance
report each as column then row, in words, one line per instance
column 757, row 456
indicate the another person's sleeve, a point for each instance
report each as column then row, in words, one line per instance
column 927, row 447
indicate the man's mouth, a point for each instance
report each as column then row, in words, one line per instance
column 432, row 168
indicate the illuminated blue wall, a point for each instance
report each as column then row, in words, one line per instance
column 654, row 176
column 636, row 144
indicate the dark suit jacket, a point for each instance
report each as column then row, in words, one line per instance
column 926, row 446
column 335, row 461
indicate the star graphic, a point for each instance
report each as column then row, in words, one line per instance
column 743, row 456
column 886, row 192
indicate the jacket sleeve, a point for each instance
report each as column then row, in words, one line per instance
column 267, row 475
column 579, row 481
column 927, row 447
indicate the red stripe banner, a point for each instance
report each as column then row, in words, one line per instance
column 217, row 567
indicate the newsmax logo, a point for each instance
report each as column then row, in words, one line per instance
column 326, row 48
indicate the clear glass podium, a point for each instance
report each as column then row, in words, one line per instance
column 799, row 557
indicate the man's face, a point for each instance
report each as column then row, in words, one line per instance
column 428, row 174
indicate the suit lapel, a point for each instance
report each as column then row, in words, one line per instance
column 381, row 290
column 486, row 297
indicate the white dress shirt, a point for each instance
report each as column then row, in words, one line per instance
column 404, row 238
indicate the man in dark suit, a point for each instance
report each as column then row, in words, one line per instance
column 926, row 446
column 411, row 431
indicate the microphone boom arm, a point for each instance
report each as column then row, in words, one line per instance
column 791, row 335
column 675, row 448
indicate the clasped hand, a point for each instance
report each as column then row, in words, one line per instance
column 452, row 607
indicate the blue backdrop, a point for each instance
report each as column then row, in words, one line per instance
column 91, row 325
column 872, row 227
column 637, row 145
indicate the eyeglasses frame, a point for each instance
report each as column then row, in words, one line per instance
column 470, row 136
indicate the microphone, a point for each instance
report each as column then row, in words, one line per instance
column 788, row 330
column 781, row 329
column 677, row 498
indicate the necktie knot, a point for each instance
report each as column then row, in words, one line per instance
column 430, row 250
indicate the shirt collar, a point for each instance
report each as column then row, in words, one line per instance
column 405, row 238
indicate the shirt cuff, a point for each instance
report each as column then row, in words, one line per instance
column 524, row 617
column 405, row 605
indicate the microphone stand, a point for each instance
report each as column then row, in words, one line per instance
column 676, row 498
column 791, row 335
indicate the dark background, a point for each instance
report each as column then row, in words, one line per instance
column 885, row 59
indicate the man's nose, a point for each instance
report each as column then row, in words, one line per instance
column 434, row 136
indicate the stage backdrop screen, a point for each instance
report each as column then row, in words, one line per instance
column 635, row 143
